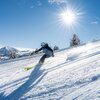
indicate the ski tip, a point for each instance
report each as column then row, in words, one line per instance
column 27, row 68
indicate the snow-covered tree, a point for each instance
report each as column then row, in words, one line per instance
column 35, row 51
column 75, row 40
column 12, row 55
column 56, row 48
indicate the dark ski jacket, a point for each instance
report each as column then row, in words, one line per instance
column 47, row 50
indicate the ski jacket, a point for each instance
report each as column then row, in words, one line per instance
column 47, row 50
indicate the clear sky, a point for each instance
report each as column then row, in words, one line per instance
column 27, row 23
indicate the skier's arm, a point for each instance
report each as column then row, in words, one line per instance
column 52, row 52
column 38, row 50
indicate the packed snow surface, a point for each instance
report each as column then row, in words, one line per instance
column 72, row 74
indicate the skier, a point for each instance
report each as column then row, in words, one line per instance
column 48, row 52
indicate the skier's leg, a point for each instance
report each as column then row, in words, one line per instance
column 42, row 59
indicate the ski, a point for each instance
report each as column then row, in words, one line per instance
column 28, row 68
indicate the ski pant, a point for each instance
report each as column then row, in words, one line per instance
column 43, row 58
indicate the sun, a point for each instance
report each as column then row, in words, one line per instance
column 68, row 17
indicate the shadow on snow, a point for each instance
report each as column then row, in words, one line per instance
column 34, row 78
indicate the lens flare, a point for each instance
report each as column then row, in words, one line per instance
column 68, row 17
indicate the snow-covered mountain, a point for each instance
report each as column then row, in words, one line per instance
column 6, row 51
column 72, row 74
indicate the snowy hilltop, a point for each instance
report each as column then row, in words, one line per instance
column 72, row 74
column 7, row 53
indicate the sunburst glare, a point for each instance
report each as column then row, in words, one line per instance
column 69, row 17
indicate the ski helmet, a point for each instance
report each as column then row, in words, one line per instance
column 43, row 44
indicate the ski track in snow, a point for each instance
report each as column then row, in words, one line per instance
column 73, row 74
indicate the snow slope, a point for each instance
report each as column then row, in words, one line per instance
column 73, row 74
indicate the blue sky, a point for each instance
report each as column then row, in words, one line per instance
column 27, row 23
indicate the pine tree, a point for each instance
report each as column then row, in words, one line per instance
column 75, row 40
column 56, row 48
